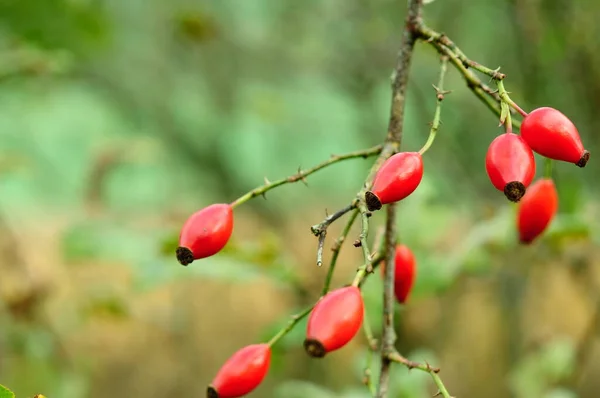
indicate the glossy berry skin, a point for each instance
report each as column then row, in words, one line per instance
column 205, row 233
column 405, row 272
column 510, row 165
column 551, row 134
column 334, row 321
column 536, row 210
column 397, row 178
column 242, row 372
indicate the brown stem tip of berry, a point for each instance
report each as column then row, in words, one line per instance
column 211, row 392
column 584, row 159
column 372, row 201
column 314, row 348
column 514, row 191
column 184, row 255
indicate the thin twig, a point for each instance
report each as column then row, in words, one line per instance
column 336, row 250
column 394, row 356
column 302, row 174
column 319, row 228
column 322, row 236
column 462, row 63
column 439, row 97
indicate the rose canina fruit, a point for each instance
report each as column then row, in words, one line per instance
column 510, row 165
column 404, row 273
column 397, row 178
column 551, row 134
column 536, row 210
column 242, row 372
column 334, row 321
column 205, row 233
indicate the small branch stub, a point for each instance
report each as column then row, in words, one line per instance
column 514, row 191
column 184, row 255
column 372, row 201
column 584, row 159
column 314, row 348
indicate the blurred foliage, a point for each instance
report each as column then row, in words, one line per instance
column 118, row 119
column 5, row 392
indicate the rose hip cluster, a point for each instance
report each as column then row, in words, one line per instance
column 511, row 167
column 333, row 322
column 338, row 315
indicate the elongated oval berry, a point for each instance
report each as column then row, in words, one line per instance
column 551, row 134
column 397, row 178
column 205, row 233
column 405, row 272
column 241, row 373
column 510, row 165
column 334, row 321
column 536, row 210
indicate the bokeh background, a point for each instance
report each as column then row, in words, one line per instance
column 118, row 119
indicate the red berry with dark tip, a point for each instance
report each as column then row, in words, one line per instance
column 334, row 321
column 405, row 272
column 551, row 134
column 242, row 372
column 205, row 233
column 398, row 177
column 536, row 210
column 510, row 165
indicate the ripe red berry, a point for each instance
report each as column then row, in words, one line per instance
column 205, row 233
column 551, row 134
column 510, row 165
column 404, row 273
column 334, row 321
column 242, row 372
column 397, row 178
column 536, row 210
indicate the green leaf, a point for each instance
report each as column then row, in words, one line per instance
column 5, row 392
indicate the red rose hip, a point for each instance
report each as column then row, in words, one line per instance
column 397, row 178
column 551, row 134
column 404, row 273
column 242, row 372
column 510, row 165
column 536, row 210
column 205, row 233
column 334, row 321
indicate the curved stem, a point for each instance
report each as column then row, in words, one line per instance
column 366, row 267
column 302, row 174
column 290, row 325
column 435, row 124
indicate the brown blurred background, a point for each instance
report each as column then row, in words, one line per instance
column 118, row 119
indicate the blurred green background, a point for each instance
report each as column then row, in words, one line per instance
column 118, row 119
